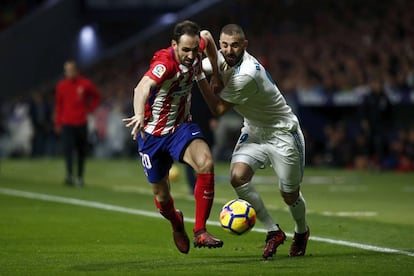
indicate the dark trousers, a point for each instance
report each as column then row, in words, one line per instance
column 74, row 141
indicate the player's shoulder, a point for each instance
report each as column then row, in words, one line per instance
column 163, row 56
column 249, row 65
column 163, row 62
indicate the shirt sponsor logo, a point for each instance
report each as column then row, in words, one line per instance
column 159, row 70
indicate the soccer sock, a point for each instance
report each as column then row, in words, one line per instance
column 204, row 196
column 298, row 211
column 168, row 211
column 248, row 193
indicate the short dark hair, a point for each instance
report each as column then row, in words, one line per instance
column 71, row 61
column 233, row 29
column 186, row 27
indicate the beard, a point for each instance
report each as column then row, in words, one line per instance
column 232, row 59
column 187, row 62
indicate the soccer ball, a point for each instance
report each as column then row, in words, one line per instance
column 174, row 173
column 237, row 216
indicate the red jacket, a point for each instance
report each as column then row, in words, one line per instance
column 75, row 99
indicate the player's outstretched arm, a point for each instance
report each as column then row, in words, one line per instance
column 141, row 93
column 216, row 105
column 211, row 51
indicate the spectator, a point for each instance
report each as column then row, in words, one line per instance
column 337, row 151
column 376, row 119
column 20, row 130
column 41, row 118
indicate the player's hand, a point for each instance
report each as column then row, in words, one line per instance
column 216, row 84
column 137, row 124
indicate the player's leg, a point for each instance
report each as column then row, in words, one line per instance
column 297, row 208
column 288, row 162
column 68, row 144
column 187, row 145
column 198, row 155
column 243, row 167
column 156, row 164
column 165, row 205
column 242, row 170
column 240, row 173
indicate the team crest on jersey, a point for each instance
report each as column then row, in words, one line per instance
column 159, row 70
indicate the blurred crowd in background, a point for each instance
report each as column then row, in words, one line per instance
column 14, row 10
column 345, row 47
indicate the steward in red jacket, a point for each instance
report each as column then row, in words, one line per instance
column 76, row 97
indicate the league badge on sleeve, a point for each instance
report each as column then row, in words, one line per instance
column 159, row 70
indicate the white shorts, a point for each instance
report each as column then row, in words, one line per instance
column 285, row 151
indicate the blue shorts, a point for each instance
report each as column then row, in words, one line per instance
column 158, row 152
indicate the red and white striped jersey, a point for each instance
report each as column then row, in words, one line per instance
column 169, row 102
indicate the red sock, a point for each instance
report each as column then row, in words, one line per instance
column 167, row 210
column 204, row 195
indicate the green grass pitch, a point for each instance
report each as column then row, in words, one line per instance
column 110, row 227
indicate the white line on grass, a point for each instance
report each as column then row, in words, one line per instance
column 349, row 214
column 109, row 207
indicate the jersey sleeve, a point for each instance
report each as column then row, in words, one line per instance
column 239, row 89
column 221, row 63
column 202, row 45
column 160, row 69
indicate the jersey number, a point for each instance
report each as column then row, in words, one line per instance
column 146, row 161
column 267, row 73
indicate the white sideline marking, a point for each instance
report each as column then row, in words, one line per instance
column 109, row 207
column 349, row 214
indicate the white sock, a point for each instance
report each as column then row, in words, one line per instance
column 298, row 211
column 248, row 193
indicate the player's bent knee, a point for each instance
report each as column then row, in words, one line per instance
column 290, row 198
column 239, row 178
column 203, row 164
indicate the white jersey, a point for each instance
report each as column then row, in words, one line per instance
column 256, row 97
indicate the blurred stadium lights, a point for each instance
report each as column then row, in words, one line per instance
column 88, row 46
column 168, row 18
column 161, row 24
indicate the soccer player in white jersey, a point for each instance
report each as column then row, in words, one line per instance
column 163, row 129
column 271, row 134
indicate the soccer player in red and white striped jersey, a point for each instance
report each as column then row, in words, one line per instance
column 164, row 131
